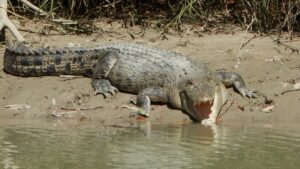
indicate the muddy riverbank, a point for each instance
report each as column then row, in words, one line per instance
column 265, row 67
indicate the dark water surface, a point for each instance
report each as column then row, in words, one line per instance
column 161, row 146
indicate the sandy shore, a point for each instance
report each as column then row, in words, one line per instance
column 265, row 67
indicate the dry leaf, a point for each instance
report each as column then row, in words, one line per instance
column 53, row 101
column 268, row 109
column 297, row 85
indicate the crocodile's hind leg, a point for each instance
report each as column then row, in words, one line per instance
column 145, row 96
column 101, row 71
column 233, row 79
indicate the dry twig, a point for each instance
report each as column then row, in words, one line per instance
column 287, row 91
column 17, row 106
column 243, row 43
column 81, row 109
column 19, row 16
column 226, row 110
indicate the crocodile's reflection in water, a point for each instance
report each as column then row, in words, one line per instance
column 149, row 146
column 184, row 146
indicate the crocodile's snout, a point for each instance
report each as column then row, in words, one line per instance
column 203, row 98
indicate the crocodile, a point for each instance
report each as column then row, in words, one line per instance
column 154, row 74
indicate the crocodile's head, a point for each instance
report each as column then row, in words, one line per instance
column 203, row 98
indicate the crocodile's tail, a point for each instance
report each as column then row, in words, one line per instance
column 23, row 60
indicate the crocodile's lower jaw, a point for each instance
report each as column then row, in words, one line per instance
column 204, row 109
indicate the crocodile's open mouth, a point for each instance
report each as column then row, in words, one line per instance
column 204, row 109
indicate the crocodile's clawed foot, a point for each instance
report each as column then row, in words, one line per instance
column 249, row 93
column 103, row 86
column 143, row 112
column 106, row 90
column 138, row 110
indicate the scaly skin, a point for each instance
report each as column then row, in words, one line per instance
column 154, row 74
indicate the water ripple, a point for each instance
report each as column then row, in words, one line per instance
column 187, row 146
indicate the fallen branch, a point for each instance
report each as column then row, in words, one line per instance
column 6, row 23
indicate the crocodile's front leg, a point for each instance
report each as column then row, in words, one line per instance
column 101, row 71
column 233, row 79
column 145, row 96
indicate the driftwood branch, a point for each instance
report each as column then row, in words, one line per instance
column 6, row 23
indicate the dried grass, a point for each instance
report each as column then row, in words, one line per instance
column 269, row 15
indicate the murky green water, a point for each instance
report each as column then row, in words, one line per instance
column 187, row 146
